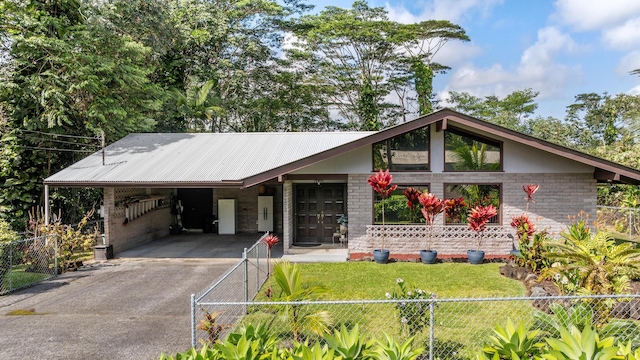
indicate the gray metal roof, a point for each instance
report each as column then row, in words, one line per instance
column 214, row 158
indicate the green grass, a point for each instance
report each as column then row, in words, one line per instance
column 460, row 326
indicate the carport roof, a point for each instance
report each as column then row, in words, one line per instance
column 194, row 160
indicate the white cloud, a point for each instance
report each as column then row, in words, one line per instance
column 634, row 91
column 537, row 69
column 456, row 53
column 623, row 37
column 595, row 14
column 453, row 11
column 629, row 62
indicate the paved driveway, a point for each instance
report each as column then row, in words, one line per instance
column 132, row 307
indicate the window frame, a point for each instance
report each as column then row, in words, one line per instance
column 373, row 162
column 474, row 137
column 500, row 198
column 403, row 186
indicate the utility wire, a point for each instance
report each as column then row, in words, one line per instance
column 54, row 149
column 59, row 141
column 60, row 135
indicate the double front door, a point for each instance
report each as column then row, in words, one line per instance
column 317, row 210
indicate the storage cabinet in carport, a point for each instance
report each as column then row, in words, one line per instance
column 226, row 216
column 103, row 252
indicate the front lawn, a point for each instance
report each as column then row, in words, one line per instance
column 459, row 327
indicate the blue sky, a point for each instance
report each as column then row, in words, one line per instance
column 559, row 48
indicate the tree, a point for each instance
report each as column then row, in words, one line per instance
column 513, row 111
column 69, row 74
column 361, row 56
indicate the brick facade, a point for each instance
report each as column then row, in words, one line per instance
column 559, row 196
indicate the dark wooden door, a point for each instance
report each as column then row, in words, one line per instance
column 197, row 207
column 317, row 210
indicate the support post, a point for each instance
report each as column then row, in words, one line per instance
column 46, row 204
column 10, row 266
column 431, row 331
column 55, row 254
column 246, row 276
column 193, row 320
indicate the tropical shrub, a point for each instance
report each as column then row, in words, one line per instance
column 510, row 342
column 533, row 252
column 413, row 315
column 300, row 318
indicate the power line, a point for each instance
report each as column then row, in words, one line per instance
column 56, row 135
column 54, row 149
column 59, row 141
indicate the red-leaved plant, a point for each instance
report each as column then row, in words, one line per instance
column 412, row 196
column 478, row 218
column 454, row 209
column 381, row 184
column 271, row 241
column 530, row 189
column 431, row 207
column 523, row 226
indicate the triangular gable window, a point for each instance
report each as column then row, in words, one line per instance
column 404, row 152
column 469, row 152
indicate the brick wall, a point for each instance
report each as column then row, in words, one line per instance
column 287, row 214
column 150, row 226
column 559, row 196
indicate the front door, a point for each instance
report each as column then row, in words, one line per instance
column 317, row 210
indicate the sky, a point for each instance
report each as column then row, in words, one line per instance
column 558, row 48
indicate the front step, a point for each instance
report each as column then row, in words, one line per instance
column 316, row 254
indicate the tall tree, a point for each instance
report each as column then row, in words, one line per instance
column 70, row 74
column 361, row 57
column 512, row 111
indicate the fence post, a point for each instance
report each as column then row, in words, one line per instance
column 257, row 269
column 431, row 330
column 55, row 255
column 193, row 320
column 10, row 266
column 246, row 276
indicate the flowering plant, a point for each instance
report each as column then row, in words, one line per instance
column 478, row 218
column 381, row 183
column 270, row 241
column 431, row 207
column 414, row 314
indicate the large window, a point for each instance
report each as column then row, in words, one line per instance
column 467, row 152
column 408, row 152
column 396, row 209
column 473, row 195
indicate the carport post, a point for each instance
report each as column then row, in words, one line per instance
column 246, row 275
column 46, row 204
column 193, row 320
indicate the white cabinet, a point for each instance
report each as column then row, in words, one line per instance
column 226, row 216
column 265, row 213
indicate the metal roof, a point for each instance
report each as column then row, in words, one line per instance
column 186, row 158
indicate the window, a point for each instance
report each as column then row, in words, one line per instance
column 473, row 195
column 408, row 152
column 396, row 210
column 467, row 152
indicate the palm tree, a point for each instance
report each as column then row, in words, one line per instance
column 300, row 318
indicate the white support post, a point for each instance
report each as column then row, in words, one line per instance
column 46, row 204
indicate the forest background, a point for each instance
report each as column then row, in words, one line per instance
column 72, row 70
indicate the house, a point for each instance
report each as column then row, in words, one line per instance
column 299, row 184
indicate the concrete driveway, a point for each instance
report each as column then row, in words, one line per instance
column 133, row 307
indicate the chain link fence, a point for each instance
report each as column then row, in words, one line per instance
column 240, row 284
column 26, row 262
column 445, row 328
column 620, row 220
